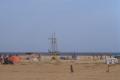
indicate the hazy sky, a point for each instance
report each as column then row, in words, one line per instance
column 80, row 25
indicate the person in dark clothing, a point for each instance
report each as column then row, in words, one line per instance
column 1, row 59
column 7, row 61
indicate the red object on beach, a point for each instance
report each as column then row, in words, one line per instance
column 15, row 59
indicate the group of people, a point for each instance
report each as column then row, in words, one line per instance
column 9, row 59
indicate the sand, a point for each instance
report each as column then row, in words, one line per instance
column 61, row 71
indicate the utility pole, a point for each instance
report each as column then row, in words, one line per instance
column 53, row 46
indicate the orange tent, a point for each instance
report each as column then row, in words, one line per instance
column 15, row 59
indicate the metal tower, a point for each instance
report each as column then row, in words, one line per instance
column 53, row 45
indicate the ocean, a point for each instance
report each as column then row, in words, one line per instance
column 66, row 53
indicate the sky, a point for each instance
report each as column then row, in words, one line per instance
column 80, row 25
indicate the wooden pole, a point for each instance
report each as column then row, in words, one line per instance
column 71, row 68
column 108, row 68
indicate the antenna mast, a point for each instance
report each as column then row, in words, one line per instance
column 53, row 44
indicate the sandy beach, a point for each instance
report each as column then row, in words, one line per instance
column 61, row 71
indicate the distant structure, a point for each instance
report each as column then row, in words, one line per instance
column 53, row 47
column 53, row 44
